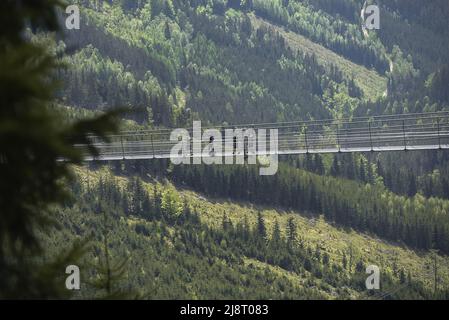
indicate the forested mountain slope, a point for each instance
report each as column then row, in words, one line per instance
column 372, row 84
column 176, row 58
column 220, row 64
column 230, row 62
column 176, row 244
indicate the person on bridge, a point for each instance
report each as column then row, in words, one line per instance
column 234, row 144
column 211, row 146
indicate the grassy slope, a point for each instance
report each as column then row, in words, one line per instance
column 372, row 84
column 334, row 241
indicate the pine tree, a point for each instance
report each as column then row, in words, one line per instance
column 276, row 237
column 261, row 229
column 291, row 231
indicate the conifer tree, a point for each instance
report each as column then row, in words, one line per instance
column 291, row 231
column 261, row 229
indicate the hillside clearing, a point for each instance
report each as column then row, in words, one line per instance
column 372, row 84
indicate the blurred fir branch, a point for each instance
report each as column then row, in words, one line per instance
column 32, row 141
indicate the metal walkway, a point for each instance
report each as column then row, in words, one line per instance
column 426, row 131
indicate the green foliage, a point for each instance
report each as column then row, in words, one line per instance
column 109, row 272
column 337, row 34
column 415, row 221
column 214, row 60
column 170, row 203
column 99, row 83
column 182, row 257
column 33, row 142
column 235, row 62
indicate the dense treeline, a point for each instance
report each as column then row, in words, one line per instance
column 432, row 17
column 199, row 65
column 178, row 252
column 418, row 222
column 348, row 9
column 404, row 173
column 338, row 35
column 107, row 72
column 419, row 29
column 365, row 205
column 92, row 80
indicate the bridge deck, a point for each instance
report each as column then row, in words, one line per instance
column 409, row 132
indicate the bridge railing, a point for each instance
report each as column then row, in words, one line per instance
column 402, row 132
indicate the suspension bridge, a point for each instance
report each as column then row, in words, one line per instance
column 406, row 132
